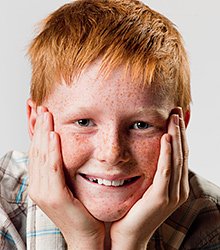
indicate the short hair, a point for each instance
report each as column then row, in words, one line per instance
column 118, row 31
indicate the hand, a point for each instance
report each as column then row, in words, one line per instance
column 49, row 191
column 168, row 191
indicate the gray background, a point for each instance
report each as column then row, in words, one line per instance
column 198, row 22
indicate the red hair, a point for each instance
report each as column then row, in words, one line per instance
column 119, row 31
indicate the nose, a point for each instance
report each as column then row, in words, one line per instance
column 112, row 148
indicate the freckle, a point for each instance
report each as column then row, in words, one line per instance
column 76, row 138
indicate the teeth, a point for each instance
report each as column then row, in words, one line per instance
column 100, row 182
column 122, row 182
column 106, row 182
column 115, row 183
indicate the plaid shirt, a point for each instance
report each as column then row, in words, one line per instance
column 195, row 225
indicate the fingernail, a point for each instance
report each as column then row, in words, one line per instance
column 176, row 120
column 52, row 135
column 168, row 138
column 181, row 112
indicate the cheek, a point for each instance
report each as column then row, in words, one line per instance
column 76, row 149
column 147, row 154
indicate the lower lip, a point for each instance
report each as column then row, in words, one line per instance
column 127, row 185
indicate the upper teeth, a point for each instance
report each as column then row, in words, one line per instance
column 100, row 181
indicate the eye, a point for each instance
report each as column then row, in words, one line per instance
column 141, row 125
column 85, row 123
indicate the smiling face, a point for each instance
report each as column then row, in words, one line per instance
column 110, row 137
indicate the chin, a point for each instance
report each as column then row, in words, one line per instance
column 108, row 212
column 109, row 215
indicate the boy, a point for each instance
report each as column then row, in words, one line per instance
column 108, row 162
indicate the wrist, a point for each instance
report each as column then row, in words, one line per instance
column 87, row 243
column 130, row 244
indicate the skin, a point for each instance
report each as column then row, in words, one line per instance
column 64, row 153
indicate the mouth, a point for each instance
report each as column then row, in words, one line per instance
column 114, row 183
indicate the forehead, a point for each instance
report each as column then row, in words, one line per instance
column 116, row 90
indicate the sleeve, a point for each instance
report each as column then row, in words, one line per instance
column 204, row 232
column 13, row 170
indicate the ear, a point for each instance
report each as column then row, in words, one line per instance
column 187, row 116
column 32, row 116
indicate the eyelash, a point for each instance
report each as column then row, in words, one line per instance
column 89, row 123
column 136, row 125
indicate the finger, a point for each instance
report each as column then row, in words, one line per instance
column 61, row 198
column 38, row 154
column 163, row 173
column 55, row 163
column 184, row 187
column 39, row 128
column 34, row 150
column 46, row 128
column 40, row 139
column 177, row 157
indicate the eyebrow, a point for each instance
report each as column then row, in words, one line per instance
column 153, row 111
column 75, row 111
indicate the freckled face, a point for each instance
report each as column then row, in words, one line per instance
column 110, row 136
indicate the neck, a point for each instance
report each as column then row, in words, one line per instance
column 107, row 243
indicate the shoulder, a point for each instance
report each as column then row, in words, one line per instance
column 13, row 199
column 195, row 224
column 13, row 177
column 204, row 207
column 200, row 188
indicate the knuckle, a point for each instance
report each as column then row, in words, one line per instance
column 42, row 158
column 185, row 194
column 165, row 169
column 179, row 161
column 34, row 153
column 175, row 201
column 186, row 154
column 178, row 200
column 163, row 202
column 177, row 133
column 184, row 197
column 54, row 167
